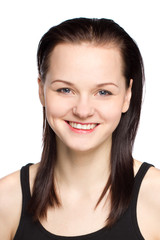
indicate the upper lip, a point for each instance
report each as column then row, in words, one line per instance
column 83, row 122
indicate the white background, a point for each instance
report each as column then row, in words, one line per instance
column 22, row 24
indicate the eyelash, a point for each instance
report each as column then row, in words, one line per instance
column 106, row 92
column 63, row 90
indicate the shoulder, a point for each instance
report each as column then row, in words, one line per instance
column 151, row 185
column 151, row 189
column 149, row 202
column 10, row 203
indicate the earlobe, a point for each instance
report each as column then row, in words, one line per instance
column 41, row 91
column 127, row 97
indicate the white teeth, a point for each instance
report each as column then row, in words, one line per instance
column 84, row 126
column 77, row 126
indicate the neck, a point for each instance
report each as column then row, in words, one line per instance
column 84, row 171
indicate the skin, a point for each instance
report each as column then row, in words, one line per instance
column 81, row 100
column 84, row 103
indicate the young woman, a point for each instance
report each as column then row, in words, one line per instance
column 87, row 185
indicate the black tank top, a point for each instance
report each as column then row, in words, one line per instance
column 126, row 228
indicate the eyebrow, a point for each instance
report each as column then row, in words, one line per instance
column 71, row 84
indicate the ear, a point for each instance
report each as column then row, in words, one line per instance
column 127, row 97
column 41, row 91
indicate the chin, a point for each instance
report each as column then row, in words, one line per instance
column 82, row 148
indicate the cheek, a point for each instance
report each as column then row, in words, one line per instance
column 111, row 111
column 56, row 107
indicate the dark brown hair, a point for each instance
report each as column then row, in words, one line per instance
column 121, row 180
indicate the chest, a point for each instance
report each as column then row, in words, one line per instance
column 77, row 219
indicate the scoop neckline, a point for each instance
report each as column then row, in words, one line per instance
column 94, row 234
column 80, row 237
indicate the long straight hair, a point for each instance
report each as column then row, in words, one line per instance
column 121, row 180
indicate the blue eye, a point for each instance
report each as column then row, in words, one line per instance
column 64, row 90
column 104, row 93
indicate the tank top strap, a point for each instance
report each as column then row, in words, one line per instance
column 25, row 186
column 139, row 178
column 137, row 184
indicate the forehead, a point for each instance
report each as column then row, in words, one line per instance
column 85, row 60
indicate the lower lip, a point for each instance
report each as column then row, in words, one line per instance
column 83, row 131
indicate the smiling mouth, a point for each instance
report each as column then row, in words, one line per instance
column 87, row 126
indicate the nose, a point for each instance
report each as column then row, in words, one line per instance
column 83, row 108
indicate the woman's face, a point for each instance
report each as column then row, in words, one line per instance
column 84, row 94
